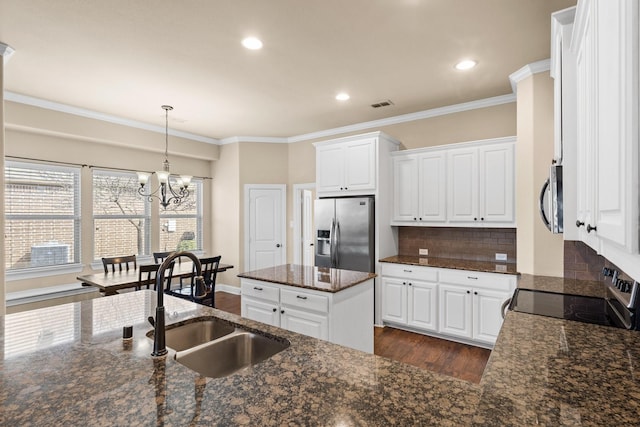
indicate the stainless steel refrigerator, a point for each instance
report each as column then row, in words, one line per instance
column 345, row 233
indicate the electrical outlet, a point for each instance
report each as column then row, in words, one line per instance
column 501, row 257
column 423, row 252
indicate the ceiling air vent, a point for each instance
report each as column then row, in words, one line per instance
column 385, row 103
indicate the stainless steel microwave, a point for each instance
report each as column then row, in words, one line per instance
column 551, row 200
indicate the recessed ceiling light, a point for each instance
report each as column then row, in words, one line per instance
column 252, row 43
column 466, row 64
column 342, row 96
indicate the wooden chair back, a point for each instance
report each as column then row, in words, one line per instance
column 127, row 261
column 147, row 276
column 158, row 257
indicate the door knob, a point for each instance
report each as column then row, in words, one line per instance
column 579, row 223
column 590, row 228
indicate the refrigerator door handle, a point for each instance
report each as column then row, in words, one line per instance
column 337, row 240
column 332, row 246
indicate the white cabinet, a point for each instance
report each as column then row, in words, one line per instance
column 410, row 302
column 481, row 184
column 455, row 311
column 471, row 303
column 354, row 165
column 461, row 305
column 343, row 317
column 347, row 167
column 605, row 44
column 419, row 187
column 459, row 185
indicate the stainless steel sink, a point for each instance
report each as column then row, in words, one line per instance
column 230, row 354
column 189, row 335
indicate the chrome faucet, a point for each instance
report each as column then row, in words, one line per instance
column 159, row 341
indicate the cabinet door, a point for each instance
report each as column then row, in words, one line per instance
column 303, row 322
column 463, row 185
column 616, row 115
column 432, row 187
column 423, row 305
column 455, row 311
column 394, row 300
column 586, row 129
column 260, row 311
column 496, row 183
column 487, row 314
column 360, row 165
column 330, row 168
column 405, row 188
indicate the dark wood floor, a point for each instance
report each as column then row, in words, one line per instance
column 446, row 357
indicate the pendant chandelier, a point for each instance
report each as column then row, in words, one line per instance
column 166, row 193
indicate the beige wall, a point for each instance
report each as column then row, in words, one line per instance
column 48, row 135
column 2, row 133
column 539, row 251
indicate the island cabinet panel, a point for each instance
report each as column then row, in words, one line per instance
column 344, row 317
column 459, row 305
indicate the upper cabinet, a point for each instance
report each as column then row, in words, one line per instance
column 419, row 187
column 467, row 184
column 349, row 166
column 605, row 43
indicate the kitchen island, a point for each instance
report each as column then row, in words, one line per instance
column 325, row 303
column 68, row 365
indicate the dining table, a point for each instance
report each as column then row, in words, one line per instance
column 110, row 283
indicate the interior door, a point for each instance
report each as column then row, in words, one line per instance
column 264, row 226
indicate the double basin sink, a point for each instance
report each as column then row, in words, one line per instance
column 216, row 348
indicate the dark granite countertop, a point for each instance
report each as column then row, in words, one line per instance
column 561, row 285
column 316, row 278
column 456, row 264
column 68, row 365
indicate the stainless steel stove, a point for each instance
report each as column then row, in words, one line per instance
column 618, row 309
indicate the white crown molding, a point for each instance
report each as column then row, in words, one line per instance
column 527, row 71
column 6, row 51
column 63, row 108
column 263, row 139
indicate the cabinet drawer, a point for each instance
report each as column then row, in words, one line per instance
column 260, row 290
column 305, row 300
column 406, row 271
column 504, row 282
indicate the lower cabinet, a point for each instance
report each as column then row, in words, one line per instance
column 344, row 317
column 463, row 305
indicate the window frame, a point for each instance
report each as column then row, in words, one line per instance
column 12, row 274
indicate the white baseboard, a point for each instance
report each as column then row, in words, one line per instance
column 227, row 288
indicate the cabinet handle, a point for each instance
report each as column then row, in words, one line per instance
column 281, row 311
column 468, row 292
column 414, row 219
column 590, row 228
column 475, row 293
column 346, row 188
column 410, row 284
column 482, row 219
column 278, row 245
column 257, row 288
column 404, row 283
column 275, row 309
column 420, row 218
column 579, row 223
column 472, row 278
column 408, row 271
column 475, row 219
column 301, row 297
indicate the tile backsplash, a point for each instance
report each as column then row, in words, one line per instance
column 583, row 263
column 477, row 244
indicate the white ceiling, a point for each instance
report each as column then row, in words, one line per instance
column 126, row 58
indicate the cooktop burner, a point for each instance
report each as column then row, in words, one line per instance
column 579, row 308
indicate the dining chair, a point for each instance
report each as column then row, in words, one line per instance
column 127, row 261
column 209, row 273
column 158, row 257
column 147, row 276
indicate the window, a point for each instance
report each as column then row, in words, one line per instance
column 181, row 225
column 121, row 216
column 42, row 213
